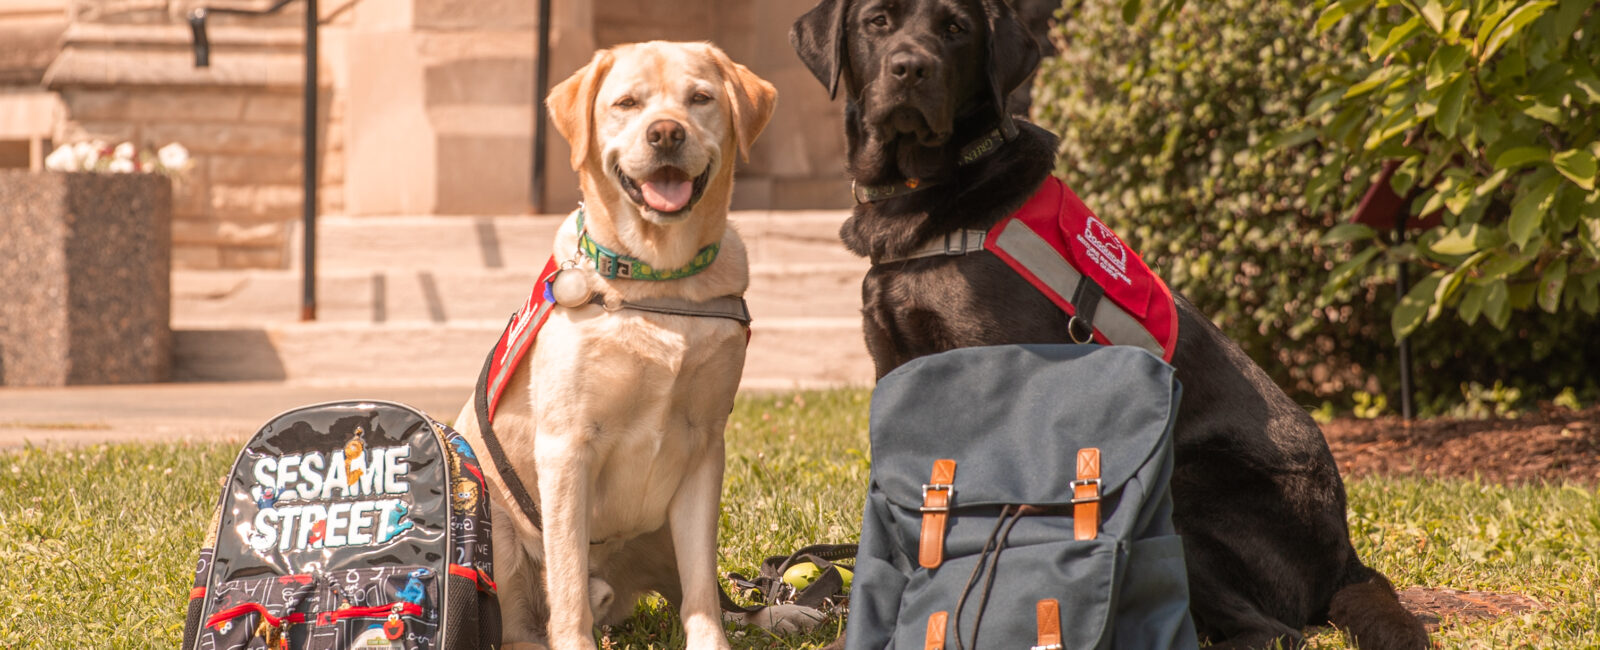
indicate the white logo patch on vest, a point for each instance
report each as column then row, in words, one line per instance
column 1105, row 248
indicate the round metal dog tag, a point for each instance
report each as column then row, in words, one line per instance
column 571, row 289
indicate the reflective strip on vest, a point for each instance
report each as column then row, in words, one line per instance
column 1137, row 309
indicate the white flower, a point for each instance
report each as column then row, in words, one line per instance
column 122, row 166
column 173, row 157
column 87, row 153
column 63, row 159
column 124, row 151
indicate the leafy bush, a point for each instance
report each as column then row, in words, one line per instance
column 1489, row 108
column 1164, row 125
column 1172, row 132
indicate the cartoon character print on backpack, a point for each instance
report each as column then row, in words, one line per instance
column 351, row 496
column 470, row 521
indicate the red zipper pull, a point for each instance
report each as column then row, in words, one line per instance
column 394, row 627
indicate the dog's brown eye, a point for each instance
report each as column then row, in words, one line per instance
column 955, row 28
column 626, row 102
column 879, row 21
column 700, row 98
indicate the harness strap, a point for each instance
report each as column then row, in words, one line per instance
column 729, row 307
column 960, row 242
column 1049, row 615
column 1086, row 495
column 1085, row 299
column 497, row 454
column 936, row 497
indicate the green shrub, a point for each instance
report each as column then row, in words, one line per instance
column 1489, row 108
column 1172, row 132
column 1164, row 127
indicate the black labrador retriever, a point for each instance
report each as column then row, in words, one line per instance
column 1258, row 499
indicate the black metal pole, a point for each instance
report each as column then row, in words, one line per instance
column 308, row 303
column 541, row 84
column 1402, row 286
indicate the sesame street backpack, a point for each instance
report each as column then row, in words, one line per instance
column 356, row 524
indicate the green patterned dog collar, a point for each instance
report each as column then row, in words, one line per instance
column 612, row 265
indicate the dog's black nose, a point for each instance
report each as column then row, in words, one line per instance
column 665, row 135
column 909, row 68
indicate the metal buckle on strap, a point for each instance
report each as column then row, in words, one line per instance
column 964, row 244
column 1081, row 482
column 950, row 246
column 949, row 496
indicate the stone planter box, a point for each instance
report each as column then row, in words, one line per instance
column 85, row 287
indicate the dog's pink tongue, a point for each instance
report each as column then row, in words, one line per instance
column 667, row 192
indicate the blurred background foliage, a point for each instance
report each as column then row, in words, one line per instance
column 1228, row 142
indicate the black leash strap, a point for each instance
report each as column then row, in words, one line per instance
column 497, row 454
column 769, row 588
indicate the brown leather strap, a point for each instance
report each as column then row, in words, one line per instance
column 1049, row 625
column 936, row 626
column 936, row 496
column 1086, row 495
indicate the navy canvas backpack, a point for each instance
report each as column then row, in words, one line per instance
column 1019, row 499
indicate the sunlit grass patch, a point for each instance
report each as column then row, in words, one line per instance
column 97, row 544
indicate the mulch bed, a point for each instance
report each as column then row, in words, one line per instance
column 1436, row 607
column 1545, row 445
column 1548, row 444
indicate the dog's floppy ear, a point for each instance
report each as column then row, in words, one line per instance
column 1013, row 56
column 571, row 105
column 750, row 98
column 818, row 37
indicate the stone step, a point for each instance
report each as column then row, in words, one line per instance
column 523, row 242
column 785, row 353
column 419, row 300
column 213, row 299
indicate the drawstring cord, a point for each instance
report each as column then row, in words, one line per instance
column 1009, row 515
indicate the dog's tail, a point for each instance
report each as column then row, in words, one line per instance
column 1368, row 610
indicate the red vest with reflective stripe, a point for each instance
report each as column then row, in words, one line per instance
column 517, row 340
column 1054, row 240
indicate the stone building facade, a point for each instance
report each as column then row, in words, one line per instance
column 426, row 107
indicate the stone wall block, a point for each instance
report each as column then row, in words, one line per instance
column 96, row 104
column 229, row 138
column 274, row 108
column 274, row 257
column 111, row 132
column 204, row 257
column 243, row 169
column 191, row 192
column 185, row 106
column 478, row 14
column 255, row 201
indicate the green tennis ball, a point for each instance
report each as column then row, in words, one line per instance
column 847, row 575
column 802, row 575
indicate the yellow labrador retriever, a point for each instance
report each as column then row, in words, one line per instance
column 614, row 420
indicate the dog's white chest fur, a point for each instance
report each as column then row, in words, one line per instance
column 635, row 398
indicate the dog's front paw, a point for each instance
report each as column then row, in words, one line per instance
column 780, row 619
column 524, row 645
column 601, row 598
column 580, row 643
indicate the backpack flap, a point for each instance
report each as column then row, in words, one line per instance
column 1014, row 419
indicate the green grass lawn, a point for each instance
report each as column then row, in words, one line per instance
column 97, row 545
